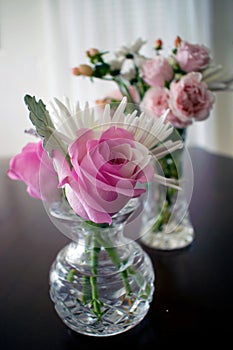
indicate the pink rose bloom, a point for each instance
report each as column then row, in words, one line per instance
column 156, row 103
column 35, row 168
column 190, row 98
column 104, row 174
column 176, row 122
column 192, row 57
column 156, row 71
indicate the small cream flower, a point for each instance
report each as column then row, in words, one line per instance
column 129, row 74
column 116, row 64
column 130, row 49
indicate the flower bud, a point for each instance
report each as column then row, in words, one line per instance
column 158, row 44
column 75, row 71
column 177, row 41
column 85, row 69
column 102, row 102
column 92, row 52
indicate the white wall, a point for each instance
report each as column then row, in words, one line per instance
column 41, row 40
column 22, row 69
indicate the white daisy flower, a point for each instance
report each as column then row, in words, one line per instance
column 139, row 60
column 129, row 74
column 116, row 64
column 130, row 49
column 69, row 117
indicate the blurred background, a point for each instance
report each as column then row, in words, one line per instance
column 41, row 40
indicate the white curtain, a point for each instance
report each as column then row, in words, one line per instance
column 41, row 40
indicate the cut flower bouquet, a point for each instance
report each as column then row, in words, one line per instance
column 97, row 163
column 90, row 169
column 181, row 82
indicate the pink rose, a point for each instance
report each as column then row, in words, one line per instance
column 34, row 167
column 156, row 100
column 105, row 172
column 156, row 103
column 176, row 122
column 190, row 98
column 192, row 57
column 156, row 71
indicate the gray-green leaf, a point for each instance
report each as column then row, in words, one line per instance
column 40, row 118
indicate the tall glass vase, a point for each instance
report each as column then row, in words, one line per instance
column 101, row 283
column 166, row 223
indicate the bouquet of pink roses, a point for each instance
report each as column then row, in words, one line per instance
column 180, row 83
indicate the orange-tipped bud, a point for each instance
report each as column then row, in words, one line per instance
column 75, row 71
column 177, row 41
column 158, row 44
column 84, row 69
column 92, row 52
column 101, row 102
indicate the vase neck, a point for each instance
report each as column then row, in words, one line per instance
column 77, row 228
column 96, row 236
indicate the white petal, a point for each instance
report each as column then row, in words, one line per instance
column 120, row 109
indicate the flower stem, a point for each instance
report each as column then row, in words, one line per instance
column 124, row 89
column 117, row 262
column 93, row 280
column 113, row 254
column 172, row 169
column 86, row 284
column 93, row 246
column 139, row 279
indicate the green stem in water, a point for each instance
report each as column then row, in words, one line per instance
column 171, row 169
column 96, row 303
column 116, row 261
column 90, row 286
column 139, row 278
column 112, row 252
column 87, row 282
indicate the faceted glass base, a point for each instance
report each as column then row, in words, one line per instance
column 166, row 223
column 101, row 283
column 117, row 310
column 168, row 238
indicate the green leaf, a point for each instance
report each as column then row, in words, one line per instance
column 100, row 70
column 40, row 118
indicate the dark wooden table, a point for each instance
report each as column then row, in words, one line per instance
column 193, row 300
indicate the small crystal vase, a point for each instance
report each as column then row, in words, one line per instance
column 101, row 283
column 166, row 223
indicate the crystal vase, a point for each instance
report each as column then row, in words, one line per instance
column 166, row 223
column 101, row 283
